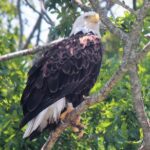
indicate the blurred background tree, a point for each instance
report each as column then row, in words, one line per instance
column 110, row 125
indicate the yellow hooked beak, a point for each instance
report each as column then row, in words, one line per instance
column 94, row 18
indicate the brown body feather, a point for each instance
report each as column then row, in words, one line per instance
column 68, row 69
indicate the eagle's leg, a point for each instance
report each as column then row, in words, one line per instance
column 70, row 108
column 78, row 127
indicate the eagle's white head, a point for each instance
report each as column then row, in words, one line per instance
column 88, row 22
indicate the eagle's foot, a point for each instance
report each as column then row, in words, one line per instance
column 70, row 108
column 78, row 127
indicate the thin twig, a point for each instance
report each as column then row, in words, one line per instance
column 134, row 5
column 122, row 35
column 20, row 24
column 36, row 26
column 25, row 52
column 34, row 50
column 39, row 33
column 46, row 17
column 145, row 50
column 45, row 13
column 94, row 4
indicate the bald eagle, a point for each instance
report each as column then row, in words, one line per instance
column 63, row 75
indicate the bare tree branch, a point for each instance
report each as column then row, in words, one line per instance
column 45, row 13
column 135, row 82
column 38, row 33
column 36, row 26
column 147, row 3
column 94, row 4
column 25, row 52
column 139, row 107
column 134, row 5
column 133, row 42
column 38, row 22
column 124, row 6
column 104, row 18
column 20, row 24
column 103, row 14
column 36, row 49
column 145, row 50
column 54, row 136
column 45, row 16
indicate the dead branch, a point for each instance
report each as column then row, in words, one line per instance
column 25, row 52
column 45, row 16
column 139, row 107
column 104, row 18
column 36, row 26
column 39, row 33
column 132, row 43
column 134, row 5
column 20, row 24
column 135, row 81
column 145, row 50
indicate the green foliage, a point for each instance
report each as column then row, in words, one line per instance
column 125, row 22
column 66, row 14
column 110, row 125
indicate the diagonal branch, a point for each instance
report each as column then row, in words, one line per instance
column 104, row 18
column 133, row 42
column 37, row 49
column 145, row 50
column 139, row 107
column 135, row 82
column 38, row 33
column 103, row 14
column 45, row 16
column 25, row 52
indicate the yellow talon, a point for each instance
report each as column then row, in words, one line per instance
column 69, row 109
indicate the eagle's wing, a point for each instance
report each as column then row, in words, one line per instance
column 61, row 71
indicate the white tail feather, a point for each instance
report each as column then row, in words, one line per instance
column 48, row 115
